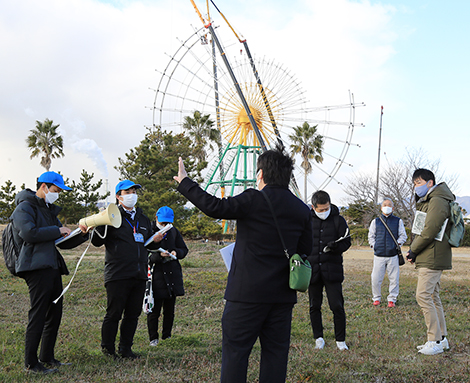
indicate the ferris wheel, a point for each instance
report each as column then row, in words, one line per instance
column 254, row 102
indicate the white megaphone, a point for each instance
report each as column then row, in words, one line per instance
column 110, row 216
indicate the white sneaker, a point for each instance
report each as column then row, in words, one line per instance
column 342, row 346
column 421, row 346
column 154, row 342
column 431, row 348
column 445, row 344
column 319, row 343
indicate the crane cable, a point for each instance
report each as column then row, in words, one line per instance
column 230, row 26
column 234, row 80
column 265, row 99
column 258, row 79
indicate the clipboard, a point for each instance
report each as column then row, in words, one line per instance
column 71, row 235
column 162, row 231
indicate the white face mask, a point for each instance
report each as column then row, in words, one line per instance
column 51, row 197
column 324, row 215
column 387, row 210
column 160, row 226
column 128, row 200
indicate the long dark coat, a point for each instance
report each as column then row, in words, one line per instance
column 259, row 271
column 167, row 277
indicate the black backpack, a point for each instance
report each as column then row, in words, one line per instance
column 11, row 250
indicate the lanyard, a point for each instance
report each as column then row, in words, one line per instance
column 133, row 227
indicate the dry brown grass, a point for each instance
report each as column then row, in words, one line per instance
column 382, row 341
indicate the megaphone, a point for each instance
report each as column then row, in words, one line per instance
column 110, row 216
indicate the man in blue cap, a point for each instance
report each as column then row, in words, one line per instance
column 35, row 229
column 125, row 270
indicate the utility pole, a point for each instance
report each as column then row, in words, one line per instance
column 378, row 158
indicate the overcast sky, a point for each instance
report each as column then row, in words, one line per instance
column 88, row 65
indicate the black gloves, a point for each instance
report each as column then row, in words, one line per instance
column 411, row 256
column 332, row 245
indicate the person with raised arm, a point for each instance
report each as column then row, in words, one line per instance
column 259, row 301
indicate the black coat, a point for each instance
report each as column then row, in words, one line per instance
column 260, row 270
column 330, row 264
column 167, row 277
column 125, row 258
column 35, row 229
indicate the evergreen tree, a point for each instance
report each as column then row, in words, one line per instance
column 88, row 194
column 72, row 210
column 153, row 164
column 7, row 200
column 199, row 225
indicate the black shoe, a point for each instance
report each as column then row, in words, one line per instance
column 54, row 363
column 110, row 353
column 40, row 369
column 128, row 354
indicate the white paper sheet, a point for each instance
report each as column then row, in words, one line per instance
column 227, row 255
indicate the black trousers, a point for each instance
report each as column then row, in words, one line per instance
column 242, row 324
column 334, row 293
column 168, row 306
column 44, row 316
column 124, row 296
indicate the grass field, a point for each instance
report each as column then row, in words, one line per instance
column 382, row 341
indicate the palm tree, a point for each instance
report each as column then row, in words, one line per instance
column 201, row 128
column 306, row 141
column 45, row 140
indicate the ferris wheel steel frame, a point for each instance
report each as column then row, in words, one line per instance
column 203, row 75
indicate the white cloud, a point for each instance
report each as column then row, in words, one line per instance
column 88, row 65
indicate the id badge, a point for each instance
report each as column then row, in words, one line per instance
column 138, row 237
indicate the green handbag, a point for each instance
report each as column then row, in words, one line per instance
column 300, row 273
column 300, row 270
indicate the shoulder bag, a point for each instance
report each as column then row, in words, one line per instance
column 300, row 270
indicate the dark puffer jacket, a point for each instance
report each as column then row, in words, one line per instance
column 167, row 277
column 125, row 258
column 35, row 229
column 328, row 265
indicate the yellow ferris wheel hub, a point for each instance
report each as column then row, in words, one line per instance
column 244, row 125
column 236, row 126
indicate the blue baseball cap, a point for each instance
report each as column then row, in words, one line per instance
column 126, row 184
column 165, row 214
column 53, row 178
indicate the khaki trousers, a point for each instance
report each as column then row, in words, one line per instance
column 427, row 296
